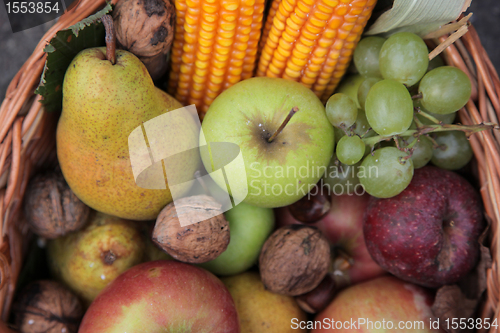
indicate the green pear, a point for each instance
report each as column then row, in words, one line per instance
column 103, row 103
column 89, row 259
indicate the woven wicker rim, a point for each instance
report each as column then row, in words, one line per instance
column 27, row 142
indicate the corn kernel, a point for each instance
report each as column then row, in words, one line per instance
column 312, row 41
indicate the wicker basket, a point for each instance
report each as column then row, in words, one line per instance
column 27, row 142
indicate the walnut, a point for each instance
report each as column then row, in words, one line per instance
column 48, row 307
column 146, row 28
column 195, row 243
column 51, row 208
column 294, row 260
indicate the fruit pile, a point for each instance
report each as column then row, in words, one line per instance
column 265, row 210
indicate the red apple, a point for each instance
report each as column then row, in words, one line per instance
column 428, row 234
column 343, row 226
column 163, row 296
column 384, row 304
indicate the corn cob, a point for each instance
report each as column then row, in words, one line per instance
column 268, row 25
column 312, row 41
column 215, row 46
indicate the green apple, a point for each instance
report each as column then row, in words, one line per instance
column 278, row 169
column 249, row 228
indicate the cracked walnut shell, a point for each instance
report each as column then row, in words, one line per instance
column 51, row 208
column 47, row 307
column 198, row 242
column 146, row 28
column 294, row 260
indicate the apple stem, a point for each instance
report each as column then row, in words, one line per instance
column 110, row 38
column 341, row 264
column 342, row 261
column 423, row 130
column 287, row 119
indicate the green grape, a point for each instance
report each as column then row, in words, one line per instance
column 338, row 134
column 422, row 151
column 386, row 143
column 350, row 149
column 435, row 63
column 349, row 86
column 363, row 129
column 385, row 173
column 364, row 88
column 360, row 127
column 389, row 108
column 341, row 178
column 341, row 110
column 366, row 56
column 448, row 118
column 454, row 150
column 404, row 57
column 445, row 90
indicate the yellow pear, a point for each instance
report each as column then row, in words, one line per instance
column 89, row 259
column 103, row 103
column 260, row 310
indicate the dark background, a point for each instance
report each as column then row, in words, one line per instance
column 15, row 48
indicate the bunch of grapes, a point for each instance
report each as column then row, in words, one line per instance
column 380, row 134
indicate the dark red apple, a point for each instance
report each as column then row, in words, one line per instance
column 343, row 226
column 163, row 296
column 428, row 234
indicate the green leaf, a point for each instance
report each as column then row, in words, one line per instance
column 417, row 16
column 61, row 50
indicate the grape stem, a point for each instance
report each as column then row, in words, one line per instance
column 423, row 130
column 365, row 133
column 407, row 149
column 396, row 141
column 428, row 116
column 435, row 145
column 338, row 164
column 417, row 96
column 417, row 121
column 408, row 146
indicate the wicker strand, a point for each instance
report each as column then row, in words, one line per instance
column 484, row 106
column 24, row 142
